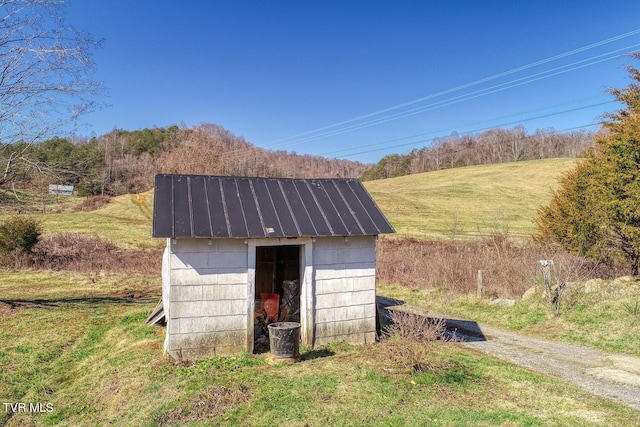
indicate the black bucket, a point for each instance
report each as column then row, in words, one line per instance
column 284, row 339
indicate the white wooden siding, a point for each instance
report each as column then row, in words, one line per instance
column 208, row 297
column 345, row 289
column 211, row 293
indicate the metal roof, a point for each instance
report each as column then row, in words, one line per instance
column 241, row 207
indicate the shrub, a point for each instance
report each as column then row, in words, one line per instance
column 92, row 204
column 413, row 327
column 19, row 233
column 409, row 341
column 594, row 212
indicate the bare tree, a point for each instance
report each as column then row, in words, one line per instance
column 45, row 76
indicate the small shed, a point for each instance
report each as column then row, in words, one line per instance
column 242, row 252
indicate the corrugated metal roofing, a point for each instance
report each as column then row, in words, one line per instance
column 239, row 207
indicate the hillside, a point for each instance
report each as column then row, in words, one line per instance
column 123, row 162
column 462, row 201
column 468, row 201
column 125, row 220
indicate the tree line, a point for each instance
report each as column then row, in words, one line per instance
column 491, row 146
column 123, row 161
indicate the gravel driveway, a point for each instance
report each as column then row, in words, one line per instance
column 613, row 376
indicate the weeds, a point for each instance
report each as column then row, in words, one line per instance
column 509, row 267
column 211, row 403
column 410, row 336
column 86, row 253
column 218, row 363
column 92, row 204
column 632, row 309
column 412, row 327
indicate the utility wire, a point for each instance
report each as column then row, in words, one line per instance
column 467, row 85
column 241, row 152
column 472, row 95
column 461, row 98
column 247, row 151
column 459, row 127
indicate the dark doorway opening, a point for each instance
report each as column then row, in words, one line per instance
column 277, row 290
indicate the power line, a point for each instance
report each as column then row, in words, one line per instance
column 467, row 85
column 472, row 95
column 463, row 126
column 241, row 152
column 460, row 98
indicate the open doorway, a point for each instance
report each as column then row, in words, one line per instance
column 277, row 290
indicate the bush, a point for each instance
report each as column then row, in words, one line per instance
column 92, row 204
column 413, row 327
column 19, row 233
column 410, row 336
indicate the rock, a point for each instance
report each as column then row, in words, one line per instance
column 530, row 293
column 502, row 301
column 593, row 285
column 625, row 285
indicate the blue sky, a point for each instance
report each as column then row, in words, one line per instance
column 357, row 79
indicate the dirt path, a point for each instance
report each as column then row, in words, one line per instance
column 613, row 376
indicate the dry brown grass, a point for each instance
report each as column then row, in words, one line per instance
column 410, row 336
column 209, row 404
column 509, row 268
column 87, row 253
column 92, row 204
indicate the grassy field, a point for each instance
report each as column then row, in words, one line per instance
column 76, row 343
column 461, row 202
column 465, row 202
column 125, row 220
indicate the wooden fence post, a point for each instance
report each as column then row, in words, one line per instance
column 546, row 275
column 480, row 290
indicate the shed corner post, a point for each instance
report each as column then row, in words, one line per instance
column 308, row 320
column 166, row 292
column 251, row 290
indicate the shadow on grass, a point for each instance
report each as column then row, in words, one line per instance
column 88, row 301
column 316, row 354
column 453, row 374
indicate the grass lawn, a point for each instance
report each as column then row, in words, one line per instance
column 77, row 343
column 608, row 319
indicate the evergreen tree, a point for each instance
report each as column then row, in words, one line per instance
column 596, row 210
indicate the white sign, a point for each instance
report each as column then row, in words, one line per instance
column 66, row 190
